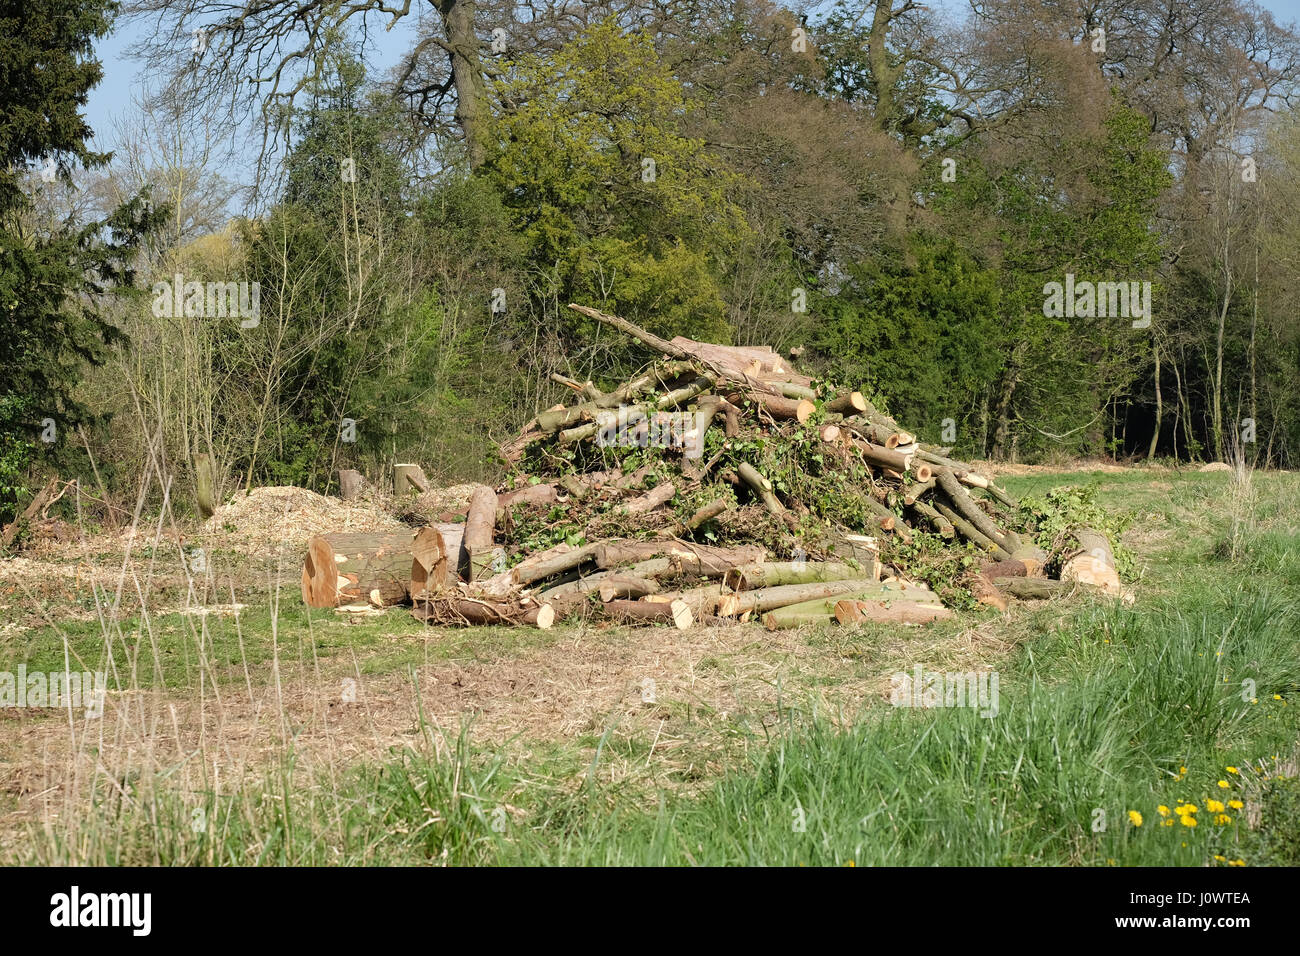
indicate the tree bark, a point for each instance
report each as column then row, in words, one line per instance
column 349, row 568
column 822, row 609
column 204, row 482
column 761, row 487
column 897, row 612
column 351, row 484
column 767, row 599
column 747, row 577
column 480, row 522
column 676, row 613
column 454, row 611
column 408, row 479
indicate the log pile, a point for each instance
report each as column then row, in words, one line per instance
column 716, row 485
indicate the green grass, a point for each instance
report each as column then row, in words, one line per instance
column 1102, row 706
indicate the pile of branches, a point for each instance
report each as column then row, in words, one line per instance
column 718, row 484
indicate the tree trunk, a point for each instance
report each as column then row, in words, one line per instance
column 467, row 75
column 204, row 481
column 1160, row 407
column 460, row 611
column 1093, row 564
column 480, row 522
column 676, row 613
column 748, row 577
column 408, row 479
column 898, row 612
column 822, row 609
column 350, row 568
column 767, row 599
column 1027, row 589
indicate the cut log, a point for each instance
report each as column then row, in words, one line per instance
column 615, row 420
column 351, row 484
column 767, row 599
column 33, row 508
column 1033, row 589
column 550, row 563
column 861, row 548
column 432, row 568
column 1093, row 564
column 345, row 568
column 454, row 611
column 655, row 498
column 965, row 505
column 703, row 600
column 782, row 408
column 775, row 573
column 453, row 542
column 847, row 403
column 529, row 494
column 1004, row 569
column 790, row 390
column 985, row 591
column 707, row 513
column 615, row 586
column 409, row 479
column 761, row 487
column 1033, row 558
column 882, row 457
column 701, row 559
column 676, row 613
column 937, row 521
column 480, row 523
column 899, row 612
column 822, row 609
column 971, row 533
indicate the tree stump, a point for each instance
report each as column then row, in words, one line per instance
column 409, row 479
column 351, row 484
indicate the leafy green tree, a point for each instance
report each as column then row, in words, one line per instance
column 53, row 278
column 615, row 205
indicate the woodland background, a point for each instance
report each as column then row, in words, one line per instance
column 700, row 167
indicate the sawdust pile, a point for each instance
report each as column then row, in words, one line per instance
column 285, row 516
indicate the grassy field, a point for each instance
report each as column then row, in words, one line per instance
column 269, row 734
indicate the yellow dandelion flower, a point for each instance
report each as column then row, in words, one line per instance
column 1277, row 696
column 1230, row 769
column 1223, row 785
column 1187, row 820
column 1135, row 818
column 1214, row 806
column 1166, row 823
column 1236, row 863
column 1162, row 810
column 1221, row 819
column 1221, row 859
column 1236, row 804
